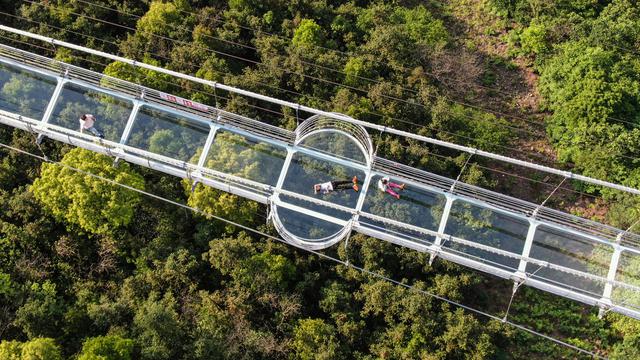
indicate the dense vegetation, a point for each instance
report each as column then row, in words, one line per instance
column 587, row 55
column 92, row 271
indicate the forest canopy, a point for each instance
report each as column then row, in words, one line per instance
column 92, row 271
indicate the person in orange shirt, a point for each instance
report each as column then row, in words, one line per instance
column 330, row 186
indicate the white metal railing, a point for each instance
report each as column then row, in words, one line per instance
column 283, row 137
column 216, row 85
column 318, row 124
column 438, row 183
column 359, row 220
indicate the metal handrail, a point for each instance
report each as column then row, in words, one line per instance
column 357, row 133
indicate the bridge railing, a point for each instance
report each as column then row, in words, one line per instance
column 554, row 251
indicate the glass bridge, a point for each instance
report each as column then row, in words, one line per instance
column 487, row 231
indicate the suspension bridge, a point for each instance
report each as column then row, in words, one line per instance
column 528, row 243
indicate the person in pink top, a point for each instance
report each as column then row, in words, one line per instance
column 87, row 122
column 385, row 185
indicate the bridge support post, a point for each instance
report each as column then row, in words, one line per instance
column 611, row 275
column 526, row 250
column 127, row 129
column 51, row 105
column 283, row 172
column 205, row 150
column 207, row 145
column 442, row 227
column 363, row 194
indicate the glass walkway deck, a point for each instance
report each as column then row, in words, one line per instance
column 504, row 236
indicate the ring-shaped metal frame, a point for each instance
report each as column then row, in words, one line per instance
column 313, row 126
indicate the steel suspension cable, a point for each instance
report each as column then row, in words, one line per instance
column 512, row 149
column 327, row 114
column 331, row 82
column 132, row 72
column 504, row 172
column 317, row 253
column 324, row 67
column 406, row 70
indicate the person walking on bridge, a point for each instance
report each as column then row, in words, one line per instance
column 330, row 186
column 87, row 122
column 385, row 185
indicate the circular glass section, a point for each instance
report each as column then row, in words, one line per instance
column 335, row 143
column 321, row 188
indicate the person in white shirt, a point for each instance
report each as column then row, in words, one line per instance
column 385, row 185
column 87, row 122
column 330, row 186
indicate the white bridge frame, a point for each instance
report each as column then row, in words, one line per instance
column 358, row 220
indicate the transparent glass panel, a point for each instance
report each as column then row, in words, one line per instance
column 335, row 144
column 307, row 227
column 246, row 157
column 164, row 133
column 489, row 228
column 24, row 92
column 339, row 214
column 416, row 206
column 111, row 112
column 574, row 252
column 305, row 171
column 402, row 233
column 628, row 273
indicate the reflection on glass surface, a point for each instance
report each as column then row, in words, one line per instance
column 403, row 233
column 486, row 227
column 628, row 273
column 24, row 92
column 416, row 206
column 245, row 157
column 305, row 226
column 168, row 134
column 305, row 171
column 335, row 144
column 571, row 251
column 111, row 112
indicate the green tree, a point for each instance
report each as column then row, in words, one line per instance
column 35, row 349
column 10, row 350
column 212, row 330
column 628, row 329
column 42, row 313
column 486, row 130
column 161, row 18
column 41, row 349
column 629, row 348
column 149, row 78
column 109, row 347
column 93, row 204
column 158, row 328
column 315, row 339
column 618, row 25
column 308, row 33
column 163, row 22
column 586, row 87
column 533, row 39
column 223, row 204
column 358, row 68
